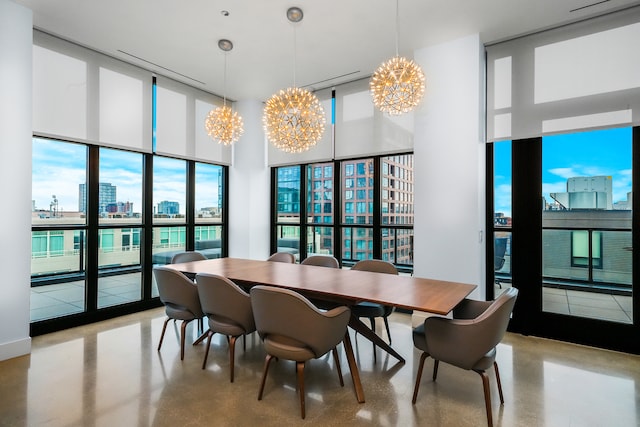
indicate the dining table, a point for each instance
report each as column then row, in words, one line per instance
column 341, row 286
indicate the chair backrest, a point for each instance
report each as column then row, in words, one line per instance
column 286, row 313
column 221, row 297
column 376, row 266
column 177, row 292
column 282, row 257
column 321, row 261
column 187, row 256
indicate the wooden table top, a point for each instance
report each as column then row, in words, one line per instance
column 412, row 293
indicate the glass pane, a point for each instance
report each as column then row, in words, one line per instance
column 57, row 273
column 357, row 187
column 209, row 240
column 59, row 177
column 587, row 227
column 319, row 241
column 288, row 194
column 167, row 241
column 120, row 194
column 169, row 190
column 501, row 261
column 397, row 189
column 397, row 246
column 502, row 184
column 209, row 193
column 120, row 279
column 320, row 193
column 288, row 237
column 357, row 243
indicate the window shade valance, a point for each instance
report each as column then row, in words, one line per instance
column 580, row 76
column 82, row 95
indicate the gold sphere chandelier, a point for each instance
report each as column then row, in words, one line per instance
column 222, row 123
column 397, row 86
column 293, row 118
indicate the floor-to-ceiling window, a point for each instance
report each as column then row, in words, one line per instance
column 587, row 228
column 59, row 229
column 89, row 230
column 564, row 102
column 356, row 209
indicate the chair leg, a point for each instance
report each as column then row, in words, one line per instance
column 487, row 396
column 423, row 357
column 436, row 363
column 232, row 358
column 164, row 328
column 183, row 333
column 209, row 335
column 300, row 375
column 267, row 360
column 336, row 359
column 495, row 367
column 373, row 328
column 202, row 337
column 386, row 324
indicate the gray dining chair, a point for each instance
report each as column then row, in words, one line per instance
column 292, row 328
column 181, row 302
column 228, row 310
column 467, row 341
column 282, row 257
column 321, row 261
column 371, row 310
column 187, row 256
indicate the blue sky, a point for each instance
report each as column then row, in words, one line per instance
column 602, row 152
column 59, row 168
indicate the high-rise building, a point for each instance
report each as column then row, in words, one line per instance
column 106, row 195
column 168, row 208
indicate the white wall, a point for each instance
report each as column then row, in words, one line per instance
column 449, row 164
column 15, row 177
column 249, row 187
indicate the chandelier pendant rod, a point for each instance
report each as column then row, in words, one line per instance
column 397, row 26
column 295, row 50
column 224, row 91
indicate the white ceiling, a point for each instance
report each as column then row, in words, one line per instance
column 337, row 41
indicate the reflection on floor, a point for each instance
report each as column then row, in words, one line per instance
column 111, row 374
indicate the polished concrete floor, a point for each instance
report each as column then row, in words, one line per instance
column 111, row 374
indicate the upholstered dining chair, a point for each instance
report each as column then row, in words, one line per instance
column 313, row 333
column 180, row 298
column 371, row 310
column 228, row 310
column 321, row 261
column 187, row 256
column 467, row 341
column 282, row 257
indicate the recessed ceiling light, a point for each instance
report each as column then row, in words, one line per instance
column 224, row 12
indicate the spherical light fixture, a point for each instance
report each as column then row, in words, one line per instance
column 397, row 86
column 293, row 118
column 222, row 123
